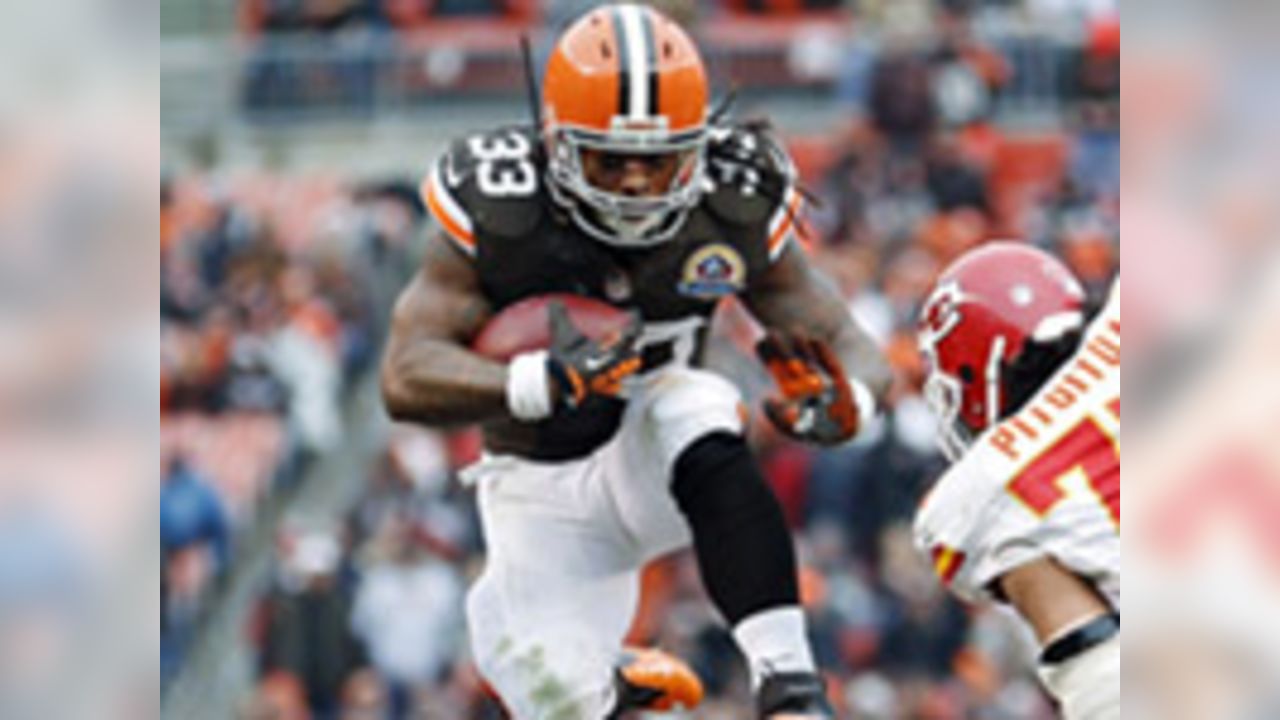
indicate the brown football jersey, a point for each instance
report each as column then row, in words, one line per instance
column 488, row 194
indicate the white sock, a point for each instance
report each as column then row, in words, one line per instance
column 774, row 641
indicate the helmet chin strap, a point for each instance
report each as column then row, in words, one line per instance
column 600, row 226
column 630, row 231
column 945, row 398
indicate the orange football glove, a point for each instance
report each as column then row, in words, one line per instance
column 817, row 403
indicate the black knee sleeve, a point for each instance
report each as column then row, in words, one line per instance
column 740, row 536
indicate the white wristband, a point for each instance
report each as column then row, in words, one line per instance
column 528, row 387
column 866, row 402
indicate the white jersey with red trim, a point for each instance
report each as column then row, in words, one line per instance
column 1044, row 482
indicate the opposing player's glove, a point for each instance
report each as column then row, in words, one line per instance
column 817, row 403
column 581, row 367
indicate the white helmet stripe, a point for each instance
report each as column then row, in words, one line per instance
column 998, row 347
column 637, row 64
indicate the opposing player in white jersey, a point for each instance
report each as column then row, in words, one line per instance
column 1028, row 398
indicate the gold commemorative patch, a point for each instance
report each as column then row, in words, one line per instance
column 713, row 271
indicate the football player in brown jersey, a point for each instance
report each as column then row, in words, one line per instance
column 627, row 193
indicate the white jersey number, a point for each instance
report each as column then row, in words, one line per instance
column 681, row 335
column 504, row 169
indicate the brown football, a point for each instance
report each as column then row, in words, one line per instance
column 523, row 326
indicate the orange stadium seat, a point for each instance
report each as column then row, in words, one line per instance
column 288, row 205
column 1024, row 169
column 293, row 207
column 812, row 155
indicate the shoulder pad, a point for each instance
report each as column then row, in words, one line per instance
column 487, row 184
column 949, row 528
column 754, row 184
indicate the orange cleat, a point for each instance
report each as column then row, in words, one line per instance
column 650, row 679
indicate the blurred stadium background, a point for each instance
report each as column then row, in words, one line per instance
column 315, row 557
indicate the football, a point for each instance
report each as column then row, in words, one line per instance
column 523, row 326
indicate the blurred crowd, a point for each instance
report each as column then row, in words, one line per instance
column 274, row 302
column 269, row 316
column 324, row 16
column 355, row 57
column 321, row 16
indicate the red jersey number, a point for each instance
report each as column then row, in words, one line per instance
column 1088, row 448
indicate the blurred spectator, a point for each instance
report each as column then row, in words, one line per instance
column 279, row 696
column 415, row 13
column 926, row 627
column 1094, row 86
column 303, row 354
column 185, row 579
column 307, row 633
column 280, row 76
column 873, row 696
column 282, row 16
column 846, row 614
column 966, row 73
column 408, row 611
column 195, row 547
column 413, row 483
column 953, row 181
column 847, row 189
column 167, row 222
column 364, row 697
column 883, row 481
column 782, row 7
column 192, row 514
column 901, row 102
column 1070, row 12
column 1087, row 245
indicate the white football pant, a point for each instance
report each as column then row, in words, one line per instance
column 566, row 541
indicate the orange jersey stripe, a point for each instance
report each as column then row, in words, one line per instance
column 788, row 220
column 430, row 194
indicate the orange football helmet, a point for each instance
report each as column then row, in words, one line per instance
column 625, row 79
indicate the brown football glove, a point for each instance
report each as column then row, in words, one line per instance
column 816, row 402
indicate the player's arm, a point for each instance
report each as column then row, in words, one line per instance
column 792, row 296
column 1052, row 599
column 429, row 375
column 815, row 347
column 1080, row 663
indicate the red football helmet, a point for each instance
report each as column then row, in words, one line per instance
column 977, row 322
